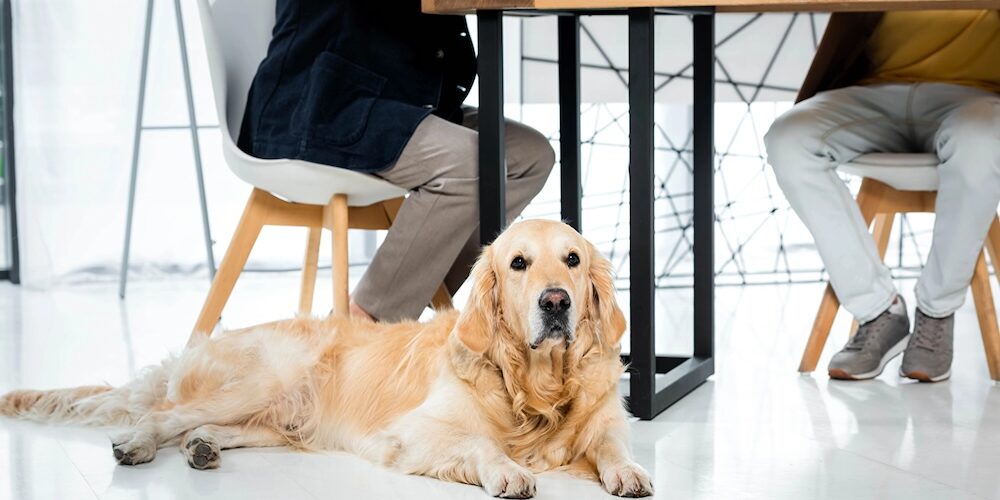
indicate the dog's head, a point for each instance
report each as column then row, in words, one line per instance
column 536, row 285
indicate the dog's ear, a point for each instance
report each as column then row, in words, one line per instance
column 604, row 308
column 476, row 324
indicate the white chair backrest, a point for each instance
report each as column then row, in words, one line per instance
column 237, row 33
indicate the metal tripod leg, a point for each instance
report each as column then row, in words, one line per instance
column 196, row 144
column 123, row 277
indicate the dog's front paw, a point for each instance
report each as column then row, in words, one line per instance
column 133, row 449
column 627, row 480
column 509, row 481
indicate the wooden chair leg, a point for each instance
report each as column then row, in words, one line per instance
column 869, row 199
column 232, row 265
column 828, row 308
column 442, row 299
column 993, row 246
column 987, row 314
column 309, row 270
column 392, row 207
column 882, row 231
column 336, row 220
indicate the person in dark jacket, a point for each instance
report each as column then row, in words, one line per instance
column 897, row 82
column 374, row 88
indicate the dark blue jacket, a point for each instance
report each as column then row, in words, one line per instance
column 345, row 82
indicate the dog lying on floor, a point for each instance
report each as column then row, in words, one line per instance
column 524, row 380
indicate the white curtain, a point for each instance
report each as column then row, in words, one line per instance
column 76, row 70
column 76, row 79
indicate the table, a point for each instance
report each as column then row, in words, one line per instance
column 473, row 6
column 648, row 395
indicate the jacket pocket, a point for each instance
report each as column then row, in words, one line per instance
column 337, row 101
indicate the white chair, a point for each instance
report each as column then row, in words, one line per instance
column 286, row 192
column 895, row 183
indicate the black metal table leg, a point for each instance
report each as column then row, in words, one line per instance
column 569, row 119
column 689, row 373
column 649, row 396
column 14, row 272
column 492, row 161
column 640, row 99
column 704, row 186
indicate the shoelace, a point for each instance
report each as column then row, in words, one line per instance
column 928, row 333
column 862, row 338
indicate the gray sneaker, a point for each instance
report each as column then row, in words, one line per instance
column 928, row 356
column 872, row 347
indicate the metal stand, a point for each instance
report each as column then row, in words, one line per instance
column 196, row 145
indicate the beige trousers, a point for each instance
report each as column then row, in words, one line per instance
column 435, row 237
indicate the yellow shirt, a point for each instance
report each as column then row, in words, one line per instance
column 946, row 46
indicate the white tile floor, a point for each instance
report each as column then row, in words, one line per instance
column 757, row 429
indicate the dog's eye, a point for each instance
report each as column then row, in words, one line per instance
column 519, row 263
column 573, row 260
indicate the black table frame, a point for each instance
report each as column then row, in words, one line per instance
column 13, row 272
column 648, row 396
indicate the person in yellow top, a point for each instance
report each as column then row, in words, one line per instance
column 956, row 47
column 899, row 82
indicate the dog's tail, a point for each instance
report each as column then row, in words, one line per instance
column 96, row 405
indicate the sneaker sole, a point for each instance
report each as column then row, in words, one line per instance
column 893, row 351
column 924, row 377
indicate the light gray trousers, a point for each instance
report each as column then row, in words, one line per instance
column 435, row 237
column 960, row 124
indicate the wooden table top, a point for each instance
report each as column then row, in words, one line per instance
column 470, row 6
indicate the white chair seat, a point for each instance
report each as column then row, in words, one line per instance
column 310, row 183
column 902, row 171
column 237, row 33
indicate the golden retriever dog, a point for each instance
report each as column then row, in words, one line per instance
column 524, row 380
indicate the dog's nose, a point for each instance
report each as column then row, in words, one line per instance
column 554, row 300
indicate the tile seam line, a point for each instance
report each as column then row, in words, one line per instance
column 78, row 471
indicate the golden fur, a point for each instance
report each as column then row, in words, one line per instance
column 462, row 397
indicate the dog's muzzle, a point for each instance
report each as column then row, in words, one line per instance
column 554, row 305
